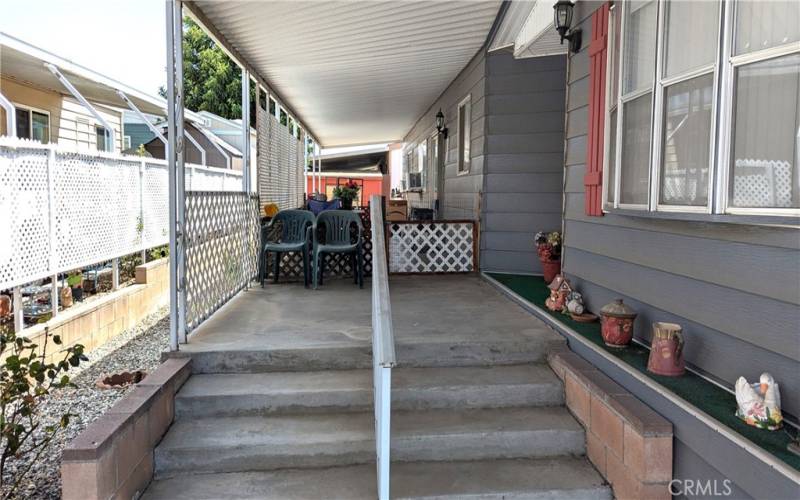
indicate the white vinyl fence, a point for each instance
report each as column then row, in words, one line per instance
column 67, row 209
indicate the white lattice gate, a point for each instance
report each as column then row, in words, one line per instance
column 432, row 246
column 222, row 237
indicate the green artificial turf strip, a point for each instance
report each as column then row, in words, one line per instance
column 706, row 396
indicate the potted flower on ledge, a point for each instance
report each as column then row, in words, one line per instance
column 347, row 193
column 548, row 248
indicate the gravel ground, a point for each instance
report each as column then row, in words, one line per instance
column 138, row 348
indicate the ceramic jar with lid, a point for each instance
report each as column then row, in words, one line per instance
column 616, row 320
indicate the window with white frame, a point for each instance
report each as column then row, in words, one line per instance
column 704, row 107
column 464, row 130
column 416, row 159
column 33, row 124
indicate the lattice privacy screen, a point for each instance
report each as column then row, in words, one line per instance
column 222, row 241
column 66, row 209
column 432, row 247
column 281, row 163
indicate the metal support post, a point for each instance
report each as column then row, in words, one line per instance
column 245, row 131
column 54, row 296
column 115, row 273
column 19, row 319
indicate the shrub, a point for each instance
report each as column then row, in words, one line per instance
column 27, row 377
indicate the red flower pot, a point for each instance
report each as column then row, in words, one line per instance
column 550, row 269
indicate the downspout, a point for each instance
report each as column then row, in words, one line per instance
column 77, row 95
column 11, row 116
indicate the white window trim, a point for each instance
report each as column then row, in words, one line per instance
column 721, row 143
column 30, row 109
column 461, row 162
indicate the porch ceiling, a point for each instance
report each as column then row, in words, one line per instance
column 355, row 72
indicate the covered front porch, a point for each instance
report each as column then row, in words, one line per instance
column 458, row 318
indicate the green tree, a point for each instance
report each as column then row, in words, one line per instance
column 212, row 81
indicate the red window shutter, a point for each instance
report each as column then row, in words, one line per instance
column 593, row 180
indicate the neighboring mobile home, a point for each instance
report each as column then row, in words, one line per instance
column 46, row 90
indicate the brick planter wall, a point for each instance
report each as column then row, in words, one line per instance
column 113, row 456
column 628, row 442
column 94, row 323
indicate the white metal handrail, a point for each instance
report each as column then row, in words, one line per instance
column 383, row 357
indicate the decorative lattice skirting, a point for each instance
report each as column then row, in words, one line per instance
column 222, row 242
column 432, row 247
column 336, row 265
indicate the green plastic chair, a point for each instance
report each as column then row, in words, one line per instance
column 338, row 229
column 296, row 227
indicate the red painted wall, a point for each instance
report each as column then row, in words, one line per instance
column 370, row 186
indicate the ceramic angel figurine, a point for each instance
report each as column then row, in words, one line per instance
column 759, row 404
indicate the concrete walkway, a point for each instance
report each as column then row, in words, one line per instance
column 452, row 311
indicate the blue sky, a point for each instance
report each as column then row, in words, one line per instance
column 122, row 39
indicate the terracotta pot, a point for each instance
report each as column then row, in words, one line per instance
column 616, row 323
column 550, row 269
column 65, row 297
column 666, row 350
column 5, row 306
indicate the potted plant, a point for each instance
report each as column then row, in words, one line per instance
column 75, row 282
column 548, row 248
column 347, row 193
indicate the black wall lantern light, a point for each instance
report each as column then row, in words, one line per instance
column 563, row 20
column 440, row 123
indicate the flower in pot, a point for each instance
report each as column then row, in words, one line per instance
column 347, row 193
column 75, row 282
column 548, row 248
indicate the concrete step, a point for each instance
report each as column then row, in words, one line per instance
column 240, row 394
column 237, row 444
column 358, row 355
column 550, row 479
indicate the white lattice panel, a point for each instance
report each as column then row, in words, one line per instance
column 222, row 247
column 68, row 209
column 762, row 183
column 97, row 208
column 280, row 163
column 25, row 231
column 431, row 247
column 155, row 205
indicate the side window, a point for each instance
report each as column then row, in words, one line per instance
column 464, row 130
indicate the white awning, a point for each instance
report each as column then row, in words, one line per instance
column 25, row 64
column 354, row 72
column 527, row 30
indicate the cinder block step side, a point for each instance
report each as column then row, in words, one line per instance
column 236, row 444
column 208, row 395
column 525, row 479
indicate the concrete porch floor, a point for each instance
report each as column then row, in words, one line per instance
column 447, row 311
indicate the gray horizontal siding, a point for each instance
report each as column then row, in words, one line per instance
column 762, row 322
column 525, row 151
column 735, row 288
column 462, row 191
